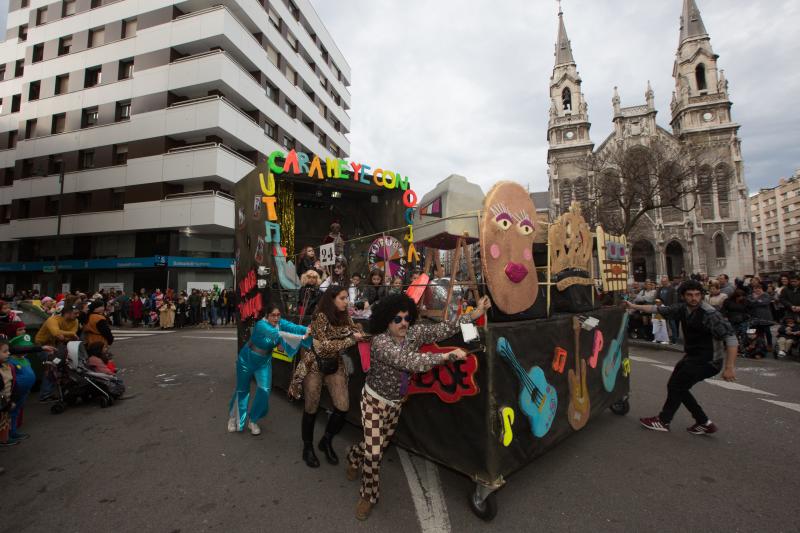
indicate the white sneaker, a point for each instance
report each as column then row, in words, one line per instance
column 254, row 429
column 781, row 354
column 233, row 427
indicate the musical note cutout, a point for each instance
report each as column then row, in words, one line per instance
column 626, row 367
column 597, row 347
column 559, row 360
column 507, row 416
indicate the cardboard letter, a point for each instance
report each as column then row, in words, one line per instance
column 316, row 168
column 269, row 201
column 267, row 188
column 364, row 169
column 402, row 182
column 344, row 168
column 377, row 177
column 302, row 158
column 410, row 198
column 332, row 167
column 291, row 161
column 387, row 182
column 356, row 171
column 277, row 169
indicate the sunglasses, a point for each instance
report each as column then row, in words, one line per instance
column 399, row 319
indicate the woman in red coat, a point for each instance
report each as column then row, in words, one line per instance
column 137, row 310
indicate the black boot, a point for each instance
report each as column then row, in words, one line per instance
column 335, row 424
column 309, row 456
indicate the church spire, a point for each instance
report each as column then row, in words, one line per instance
column 563, row 47
column 691, row 23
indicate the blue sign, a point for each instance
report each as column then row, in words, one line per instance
column 120, row 263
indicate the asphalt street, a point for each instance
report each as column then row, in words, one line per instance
column 163, row 461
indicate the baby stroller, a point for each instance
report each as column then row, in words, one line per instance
column 75, row 381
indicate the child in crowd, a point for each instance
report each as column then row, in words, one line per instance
column 788, row 334
column 755, row 345
column 397, row 285
column 100, row 358
column 6, row 403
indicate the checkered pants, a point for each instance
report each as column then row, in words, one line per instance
column 379, row 420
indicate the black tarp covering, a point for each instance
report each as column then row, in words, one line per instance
column 466, row 435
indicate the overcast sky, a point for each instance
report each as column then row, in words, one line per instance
column 457, row 86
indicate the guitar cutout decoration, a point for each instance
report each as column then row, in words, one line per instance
column 537, row 398
column 613, row 358
column 450, row 381
column 579, row 405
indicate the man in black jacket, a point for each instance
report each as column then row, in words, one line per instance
column 790, row 296
column 704, row 328
column 669, row 296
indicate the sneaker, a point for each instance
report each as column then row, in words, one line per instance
column 362, row 509
column 254, row 429
column 8, row 443
column 654, row 423
column 233, row 427
column 702, row 429
column 19, row 436
column 664, row 342
column 781, row 354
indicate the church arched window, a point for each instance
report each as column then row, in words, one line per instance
column 565, row 188
column 700, row 76
column 566, row 99
column 705, row 190
column 719, row 246
column 722, row 175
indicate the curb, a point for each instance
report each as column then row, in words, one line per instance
column 655, row 346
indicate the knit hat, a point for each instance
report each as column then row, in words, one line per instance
column 96, row 304
column 21, row 340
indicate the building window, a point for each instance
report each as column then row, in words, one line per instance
column 12, row 138
column 566, row 99
column 27, row 168
column 95, row 4
column 270, row 130
column 68, row 8
column 94, row 76
column 274, row 18
column 123, row 111
column 34, row 89
column 293, row 10
column 22, row 33
column 59, row 123
column 89, row 117
column 41, row 16
column 292, row 40
column 273, row 55
column 38, row 53
column 97, row 37
column 120, row 154
column 19, row 68
column 272, row 92
column 289, row 108
column 719, row 246
column 9, row 177
column 125, row 69
column 700, row 76
column 54, row 164
column 129, row 28
column 64, row 45
column 30, row 128
column 288, row 142
column 82, row 201
column 85, row 159
column 118, row 199
column 62, row 84
column 2, row 72
column 51, row 207
column 15, row 103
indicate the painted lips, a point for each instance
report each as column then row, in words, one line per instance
column 516, row 272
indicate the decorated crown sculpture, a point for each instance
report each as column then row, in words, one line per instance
column 570, row 247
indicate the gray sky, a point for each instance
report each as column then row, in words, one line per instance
column 461, row 86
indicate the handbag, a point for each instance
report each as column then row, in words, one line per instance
column 327, row 365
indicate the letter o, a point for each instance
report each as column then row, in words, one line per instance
column 409, row 198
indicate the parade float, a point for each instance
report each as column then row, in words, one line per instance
column 547, row 360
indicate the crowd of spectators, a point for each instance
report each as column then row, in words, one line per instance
column 763, row 311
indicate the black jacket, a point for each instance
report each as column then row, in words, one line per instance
column 667, row 295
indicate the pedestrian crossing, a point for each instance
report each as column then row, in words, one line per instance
column 125, row 334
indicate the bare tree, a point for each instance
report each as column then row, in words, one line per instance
column 632, row 182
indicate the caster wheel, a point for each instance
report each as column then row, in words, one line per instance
column 104, row 402
column 485, row 510
column 57, row 408
column 621, row 407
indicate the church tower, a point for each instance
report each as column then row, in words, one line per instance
column 701, row 116
column 567, row 129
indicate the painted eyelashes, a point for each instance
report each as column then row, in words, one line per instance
column 505, row 219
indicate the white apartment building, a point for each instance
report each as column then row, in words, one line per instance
column 775, row 215
column 152, row 110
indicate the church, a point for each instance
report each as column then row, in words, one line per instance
column 716, row 236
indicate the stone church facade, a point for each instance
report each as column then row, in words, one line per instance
column 716, row 236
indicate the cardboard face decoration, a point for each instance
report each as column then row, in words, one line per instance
column 507, row 234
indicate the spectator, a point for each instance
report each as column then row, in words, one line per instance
column 6, row 403
column 375, row 290
column 167, row 314
column 755, row 346
column 355, row 291
column 307, row 260
column 735, row 310
column 669, row 296
column 180, row 312
column 137, row 311
column 725, row 285
column 777, row 305
column 760, row 310
column 339, row 276
column 98, row 358
column 790, row 296
column 715, row 296
column 397, row 285
column 787, row 336
column 194, row 308
column 647, row 296
column 58, row 329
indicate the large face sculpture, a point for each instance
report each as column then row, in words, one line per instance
column 507, row 232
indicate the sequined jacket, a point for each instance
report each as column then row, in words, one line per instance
column 391, row 361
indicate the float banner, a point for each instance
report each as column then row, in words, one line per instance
column 528, row 386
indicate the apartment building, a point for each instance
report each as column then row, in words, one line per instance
column 775, row 215
column 124, row 125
